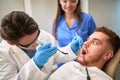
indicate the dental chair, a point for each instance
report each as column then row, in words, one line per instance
column 112, row 66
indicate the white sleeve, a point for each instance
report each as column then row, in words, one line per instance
column 46, row 37
column 60, row 57
column 9, row 70
column 31, row 72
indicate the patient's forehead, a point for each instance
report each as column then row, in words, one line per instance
column 99, row 35
column 102, row 37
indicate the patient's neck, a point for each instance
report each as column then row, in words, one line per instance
column 96, row 64
column 80, row 60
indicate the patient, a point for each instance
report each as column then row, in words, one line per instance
column 99, row 48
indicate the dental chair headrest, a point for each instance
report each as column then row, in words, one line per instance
column 111, row 67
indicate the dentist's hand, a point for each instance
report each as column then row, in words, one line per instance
column 43, row 53
column 76, row 43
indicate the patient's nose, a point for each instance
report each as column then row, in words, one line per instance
column 87, row 43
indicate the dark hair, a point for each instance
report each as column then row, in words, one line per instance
column 114, row 39
column 16, row 25
column 61, row 12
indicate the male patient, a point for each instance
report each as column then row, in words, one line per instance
column 99, row 48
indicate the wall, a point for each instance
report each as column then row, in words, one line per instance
column 106, row 13
column 44, row 12
column 6, row 6
column 85, row 6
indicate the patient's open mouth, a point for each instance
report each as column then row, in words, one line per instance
column 83, row 52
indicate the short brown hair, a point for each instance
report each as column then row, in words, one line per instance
column 113, row 37
column 16, row 25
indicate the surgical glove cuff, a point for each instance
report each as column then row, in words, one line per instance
column 37, row 62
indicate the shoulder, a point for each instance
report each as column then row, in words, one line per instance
column 4, row 50
column 4, row 45
column 46, row 37
column 72, row 65
column 96, row 71
column 61, row 17
column 85, row 15
column 46, row 34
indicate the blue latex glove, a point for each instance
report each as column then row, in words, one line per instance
column 43, row 53
column 76, row 43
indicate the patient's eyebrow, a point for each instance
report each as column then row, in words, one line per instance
column 96, row 39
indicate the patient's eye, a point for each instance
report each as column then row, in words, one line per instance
column 95, row 42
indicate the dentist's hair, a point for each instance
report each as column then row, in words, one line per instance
column 16, row 25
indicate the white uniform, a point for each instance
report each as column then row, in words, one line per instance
column 16, row 65
column 75, row 71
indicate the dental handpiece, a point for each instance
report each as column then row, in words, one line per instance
column 41, row 43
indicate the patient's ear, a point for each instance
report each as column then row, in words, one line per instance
column 109, row 54
column 111, row 67
column 11, row 43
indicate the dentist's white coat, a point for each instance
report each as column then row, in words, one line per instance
column 16, row 65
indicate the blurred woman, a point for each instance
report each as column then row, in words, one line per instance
column 71, row 21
